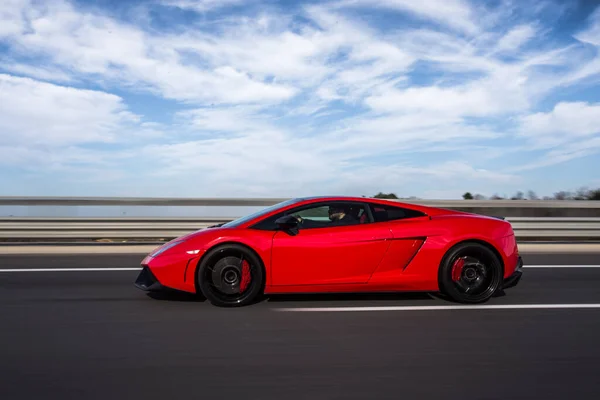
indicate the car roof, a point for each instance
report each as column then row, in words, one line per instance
column 362, row 199
column 333, row 198
column 347, row 198
column 375, row 200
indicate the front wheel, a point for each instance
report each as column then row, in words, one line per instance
column 470, row 273
column 230, row 276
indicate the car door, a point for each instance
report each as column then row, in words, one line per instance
column 325, row 254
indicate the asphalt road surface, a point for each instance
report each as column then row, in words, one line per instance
column 93, row 335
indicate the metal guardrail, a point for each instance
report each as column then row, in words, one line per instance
column 135, row 201
column 162, row 229
column 532, row 220
column 101, row 228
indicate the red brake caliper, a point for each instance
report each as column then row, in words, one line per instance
column 457, row 269
column 245, row 276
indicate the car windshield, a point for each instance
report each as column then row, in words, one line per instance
column 242, row 220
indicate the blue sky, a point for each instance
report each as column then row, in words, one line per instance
column 215, row 98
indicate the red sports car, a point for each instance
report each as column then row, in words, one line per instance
column 343, row 245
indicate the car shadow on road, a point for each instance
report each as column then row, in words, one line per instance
column 350, row 297
column 347, row 297
column 168, row 295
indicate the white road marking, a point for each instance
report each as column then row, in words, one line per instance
column 68, row 269
column 561, row 266
column 438, row 308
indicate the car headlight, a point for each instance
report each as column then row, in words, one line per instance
column 166, row 247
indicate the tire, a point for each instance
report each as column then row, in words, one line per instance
column 470, row 273
column 230, row 276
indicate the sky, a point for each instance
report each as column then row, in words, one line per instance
column 232, row 98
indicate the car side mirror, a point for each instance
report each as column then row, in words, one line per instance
column 288, row 223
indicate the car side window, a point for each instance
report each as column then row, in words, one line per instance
column 383, row 213
column 331, row 215
column 322, row 215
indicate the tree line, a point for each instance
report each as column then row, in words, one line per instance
column 581, row 194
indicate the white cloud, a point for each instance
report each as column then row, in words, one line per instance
column 502, row 92
column 442, row 101
column 453, row 13
column 224, row 119
column 35, row 113
column 585, row 66
column 97, row 45
column 591, row 34
column 562, row 154
column 305, row 58
column 10, row 17
column 268, row 159
column 400, row 135
column 567, row 121
column 38, row 72
column 296, row 101
column 461, row 169
column 273, row 165
column 67, row 159
column 282, row 54
column 516, row 38
column 262, row 60
column 258, row 163
column 570, row 130
column 201, row 5
column 250, row 61
column 404, row 178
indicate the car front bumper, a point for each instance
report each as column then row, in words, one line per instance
column 515, row 277
column 168, row 273
column 147, row 281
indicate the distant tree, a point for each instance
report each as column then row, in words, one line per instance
column 562, row 195
column 385, row 196
column 593, row 194
column 518, row 196
column 581, row 194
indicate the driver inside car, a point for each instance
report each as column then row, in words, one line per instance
column 339, row 215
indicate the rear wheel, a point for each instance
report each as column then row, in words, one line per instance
column 471, row 273
column 230, row 276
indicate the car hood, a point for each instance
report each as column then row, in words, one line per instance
column 193, row 238
column 209, row 231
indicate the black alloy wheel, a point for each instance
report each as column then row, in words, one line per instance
column 230, row 276
column 471, row 273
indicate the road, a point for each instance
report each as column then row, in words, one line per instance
column 93, row 335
